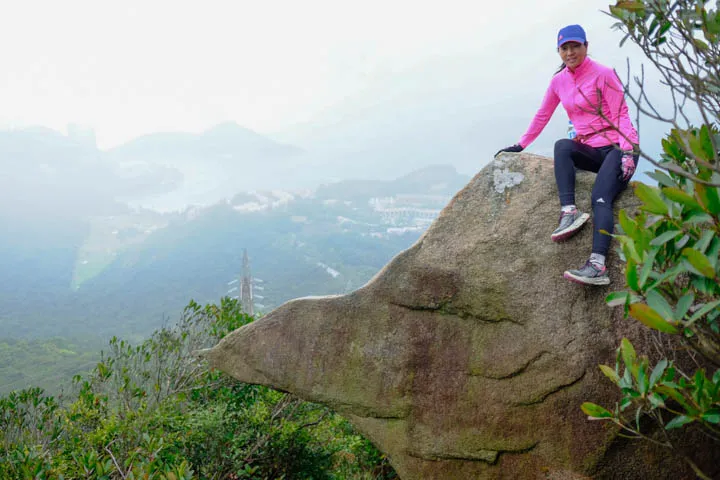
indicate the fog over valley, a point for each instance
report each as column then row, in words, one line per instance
column 145, row 147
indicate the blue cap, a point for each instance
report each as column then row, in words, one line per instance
column 571, row 33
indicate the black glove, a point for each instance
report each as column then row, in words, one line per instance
column 512, row 148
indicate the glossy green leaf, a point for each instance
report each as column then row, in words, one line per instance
column 653, row 25
column 617, row 12
column 696, row 147
column 628, row 247
column 682, row 242
column 658, row 372
column 625, row 38
column 699, row 380
column 678, row 422
column 650, row 318
column 706, row 144
column 704, row 285
column 709, row 198
column 630, row 392
column 672, row 149
column 627, row 224
column 615, row 299
column 658, row 303
column 656, row 401
column 712, row 416
column 652, row 201
column 644, row 273
column 652, row 220
column 664, row 28
column 628, row 355
column 662, row 178
column 665, row 237
column 683, row 306
column 704, row 242
column 632, row 6
column 631, row 275
column 669, row 374
column 677, row 195
column 643, row 380
column 595, row 411
column 713, row 252
column 668, row 276
column 695, row 217
column 704, row 310
column 699, row 261
column 626, row 380
column 610, row 373
column 672, row 392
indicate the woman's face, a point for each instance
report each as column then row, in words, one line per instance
column 572, row 54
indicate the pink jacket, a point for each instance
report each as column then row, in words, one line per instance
column 581, row 92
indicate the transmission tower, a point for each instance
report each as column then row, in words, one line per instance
column 246, row 286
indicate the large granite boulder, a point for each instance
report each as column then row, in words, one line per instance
column 468, row 355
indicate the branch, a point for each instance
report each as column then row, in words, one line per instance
column 117, row 466
column 312, row 424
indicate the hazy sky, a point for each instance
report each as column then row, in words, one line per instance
column 137, row 66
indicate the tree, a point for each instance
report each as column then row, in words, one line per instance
column 671, row 246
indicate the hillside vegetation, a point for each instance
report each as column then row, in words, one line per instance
column 152, row 410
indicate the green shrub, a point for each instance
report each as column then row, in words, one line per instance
column 155, row 411
column 671, row 247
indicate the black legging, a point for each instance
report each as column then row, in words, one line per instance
column 606, row 162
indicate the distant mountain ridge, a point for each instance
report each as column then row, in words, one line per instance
column 427, row 180
column 228, row 139
column 211, row 165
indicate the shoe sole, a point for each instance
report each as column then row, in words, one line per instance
column 604, row 280
column 572, row 229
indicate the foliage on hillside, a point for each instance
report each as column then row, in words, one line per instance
column 45, row 363
column 154, row 411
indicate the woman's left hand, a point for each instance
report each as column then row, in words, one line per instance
column 627, row 166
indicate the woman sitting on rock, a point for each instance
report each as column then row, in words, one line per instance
column 606, row 140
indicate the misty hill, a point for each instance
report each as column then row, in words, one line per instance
column 47, row 173
column 226, row 141
column 212, row 165
column 428, row 180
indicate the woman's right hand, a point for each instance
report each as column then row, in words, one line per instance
column 512, row 149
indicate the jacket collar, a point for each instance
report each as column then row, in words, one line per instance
column 582, row 68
